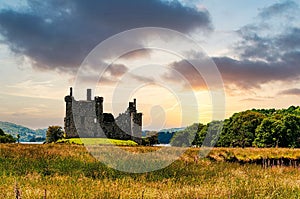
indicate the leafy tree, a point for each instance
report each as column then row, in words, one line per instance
column 18, row 138
column 6, row 138
column 292, row 131
column 185, row 137
column 267, row 133
column 208, row 133
column 200, row 135
column 266, row 112
column 239, row 130
column 54, row 133
column 151, row 139
column 2, row 132
column 279, row 131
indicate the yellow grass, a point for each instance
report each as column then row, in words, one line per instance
column 69, row 171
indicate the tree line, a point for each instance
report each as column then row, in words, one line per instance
column 251, row 128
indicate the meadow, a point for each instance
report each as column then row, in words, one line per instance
column 69, row 171
column 102, row 141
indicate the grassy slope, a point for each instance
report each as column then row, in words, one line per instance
column 99, row 141
column 68, row 171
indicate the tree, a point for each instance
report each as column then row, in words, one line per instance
column 267, row 133
column 239, row 130
column 279, row 131
column 54, row 133
column 2, row 132
column 208, row 135
column 6, row 138
column 200, row 135
column 18, row 138
column 185, row 137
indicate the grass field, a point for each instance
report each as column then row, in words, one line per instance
column 69, row 171
column 98, row 141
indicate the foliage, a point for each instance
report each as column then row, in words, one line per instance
column 6, row 138
column 151, row 139
column 256, row 127
column 2, row 132
column 186, row 137
column 279, row 131
column 239, row 130
column 54, row 133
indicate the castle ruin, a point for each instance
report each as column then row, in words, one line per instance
column 86, row 119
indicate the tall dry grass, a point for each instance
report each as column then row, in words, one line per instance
column 68, row 171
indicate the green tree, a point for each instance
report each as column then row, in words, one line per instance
column 200, row 135
column 208, row 134
column 185, row 137
column 279, row 131
column 54, row 133
column 266, row 135
column 291, row 131
column 6, row 138
column 239, row 130
column 18, row 138
column 2, row 132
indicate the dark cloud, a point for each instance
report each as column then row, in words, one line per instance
column 59, row 34
column 293, row 91
column 265, row 53
column 271, row 40
column 249, row 74
column 244, row 74
column 290, row 40
column 136, row 54
column 269, row 50
column 278, row 9
column 184, row 73
column 116, row 70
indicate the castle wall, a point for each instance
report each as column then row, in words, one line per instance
column 92, row 122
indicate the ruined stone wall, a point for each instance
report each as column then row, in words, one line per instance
column 92, row 122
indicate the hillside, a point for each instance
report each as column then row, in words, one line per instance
column 26, row 134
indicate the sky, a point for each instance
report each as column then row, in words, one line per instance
column 48, row 46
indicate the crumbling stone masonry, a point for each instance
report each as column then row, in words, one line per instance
column 85, row 118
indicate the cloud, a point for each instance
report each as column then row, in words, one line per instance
column 249, row 74
column 116, row 70
column 142, row 79
column 251, row 100
column 271, row 39
column 244, row 74
column 111, row 75
column 292, row 91
column 269, row 50
column 184, row 73
column 278, row 9
column 137, row 54
column 59, row 34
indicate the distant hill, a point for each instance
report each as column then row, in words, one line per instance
column 26, row 134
